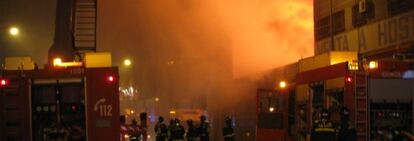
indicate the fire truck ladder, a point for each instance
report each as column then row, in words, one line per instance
column 361, row 106
column 84, row 26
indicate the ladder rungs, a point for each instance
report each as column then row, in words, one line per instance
column 361, row 122
column 361, row 110
column 361, row 85
column 361, row 97
column 361, row 134
column 85, row 9
column 78, row 34
column 86, row 48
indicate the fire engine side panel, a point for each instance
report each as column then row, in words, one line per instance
column 15, row 109
column 102, row 107
column 391, row 90
column 322, row 74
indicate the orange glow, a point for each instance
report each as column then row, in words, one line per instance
column 69, row 64
column 267, row 34
column 57, row 61
column 282, row 84
column 256, row 35
column 373, row 65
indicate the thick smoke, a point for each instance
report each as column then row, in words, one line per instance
column 188, row 52
column 258, row 35
column 266, row 34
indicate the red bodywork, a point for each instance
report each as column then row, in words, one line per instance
column 279, row 133
column 100, row 102
column 386, row 69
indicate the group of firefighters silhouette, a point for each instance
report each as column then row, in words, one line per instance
column 323, row 129
column 175, row 131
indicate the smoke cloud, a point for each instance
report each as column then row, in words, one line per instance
column 268, row 33
column 255, row 35
column 189, row 52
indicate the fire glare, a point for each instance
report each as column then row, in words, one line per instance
column 268, row 33
column 255, row 35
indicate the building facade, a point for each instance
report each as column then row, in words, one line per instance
column 373, row 28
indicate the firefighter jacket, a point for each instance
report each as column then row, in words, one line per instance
column 347, row 132
column 203, row 131
column 228, row 134
column 136, row 133
column 177, row 133
column 323, row 131
column 124, row 132
column 161, row 131
column 191, row 133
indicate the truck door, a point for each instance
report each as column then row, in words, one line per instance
column 58, row 109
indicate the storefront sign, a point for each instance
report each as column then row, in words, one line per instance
column 386, row 33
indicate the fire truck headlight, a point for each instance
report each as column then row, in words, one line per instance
column 126, row 136
column 282, row 84
column 57, row 61
column 271, row 109
column 373, row 65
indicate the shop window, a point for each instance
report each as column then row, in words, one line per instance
column 396, row 7
column 338, row 22
column 322, row 28
column 361, row 13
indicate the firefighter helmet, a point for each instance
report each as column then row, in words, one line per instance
column 190, row 122
column 177, row 121
column 203, row 118
column 134, row 122
column 229, row 120
column 160, row 119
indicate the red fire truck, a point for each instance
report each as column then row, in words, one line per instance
column 379, row 94
column 70, row 103
column 67, row 99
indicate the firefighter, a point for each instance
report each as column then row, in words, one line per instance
column 228, row 131
column 191, row 131
column 161, row 130
column 135, row 130
column 124, row 128
column 347, row 131
column 324, row 129
column 177, row 131
column 143, row 118
column 170, row 127
column 203, row 129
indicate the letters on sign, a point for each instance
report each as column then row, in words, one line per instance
column 386, row 33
